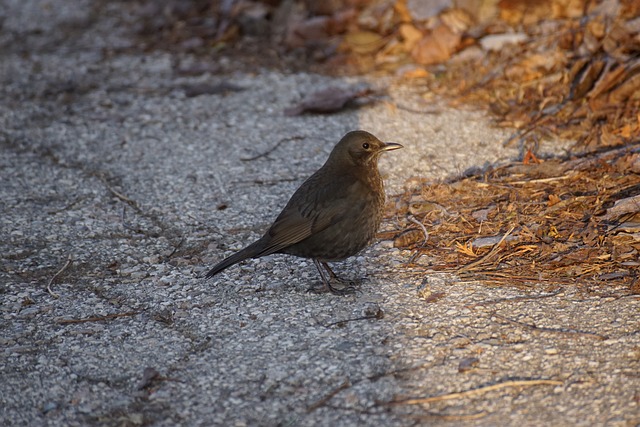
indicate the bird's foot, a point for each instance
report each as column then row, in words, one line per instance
column 328, row 276
column 349, row 289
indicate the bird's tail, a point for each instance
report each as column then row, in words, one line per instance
column 251, row 251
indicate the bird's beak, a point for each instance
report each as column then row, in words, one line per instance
column 388, row 146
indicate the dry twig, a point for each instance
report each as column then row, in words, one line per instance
column 474, row 392
column 271, row 150
column 553, row 330
column 98, row 318
column 496, row 248
column 451, row 417
column 323, row 401
column 64, row 267
column 421, row 225
column 522, row 298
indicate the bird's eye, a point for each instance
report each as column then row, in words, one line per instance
column 365, row 145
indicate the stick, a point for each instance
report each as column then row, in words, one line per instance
column 494, row 250
column 451, row 417
column 545, row 329
column 346, row 384
column 421, row 225
column 97, row 318
column 475, row 391
column 521, row 298
column 270, row 150
column 67, row 264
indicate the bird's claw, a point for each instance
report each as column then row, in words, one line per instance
column 326, row 287
column 347, row 290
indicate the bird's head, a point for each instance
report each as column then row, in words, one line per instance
column 360, row 148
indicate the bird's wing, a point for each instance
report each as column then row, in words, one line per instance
column 310, row 210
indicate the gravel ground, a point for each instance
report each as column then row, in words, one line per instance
column 111, row 175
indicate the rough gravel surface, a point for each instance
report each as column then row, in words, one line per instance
column 130, row 190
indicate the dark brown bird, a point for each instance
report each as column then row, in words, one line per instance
column 333, row 215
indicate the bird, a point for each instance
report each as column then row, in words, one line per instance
column 333, row 215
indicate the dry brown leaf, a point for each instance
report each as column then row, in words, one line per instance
column 584, row 73
column 567, row 9
column 630, row 163
column 530, row 158
column 378, row 17
column 523, row 11
column 597, row 27
column 392, row 53
column 413, row 72
column 623, row 207
column 496, row 42
column 629, row 89
column 410, row 36
column 329, row 100
column 436, row 47
column 553, row 200
column 612, row 75
column 457, row 20
column 364, row 42
column 339, row 21
column 466, row 249
column 408, row 238
column 625, row 131
column 531, row 12
column 401, row 10
column 536, row 66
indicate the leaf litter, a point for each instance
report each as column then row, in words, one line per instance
column 557, row 221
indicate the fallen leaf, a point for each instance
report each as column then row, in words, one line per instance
column 553, row 200
column 419, row 206
column 612, row 75
column 363, row 42
column 467, row 364
column 330, row 100
column 561, row 9
column 536, row 66
column 457, row 20
column 490, row 241
column 410, row 36
column 436, row 47
column 623, row 207
column 466, row 248
column 420, row 10
column 400, row 8
column 624, row 131
column 584, row 73
column 629, row 89
column 496, row 42
column 553, row 232
column 408, row 238
column 530, row 158
column 429, row 297
column 482, row 215
column 524, row 12
column 413, row 72
column 308, row 30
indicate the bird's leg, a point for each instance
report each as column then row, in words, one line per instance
column 334, row 276
column 326, row 281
